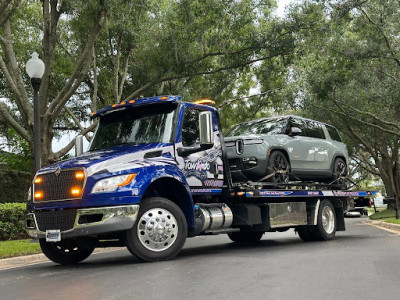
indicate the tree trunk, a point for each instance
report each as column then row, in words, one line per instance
column 396, row 183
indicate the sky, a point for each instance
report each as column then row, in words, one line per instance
column 282, row 5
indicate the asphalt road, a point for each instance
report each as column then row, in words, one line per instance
column 360, row 263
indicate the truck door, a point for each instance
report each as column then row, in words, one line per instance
column 203, row 169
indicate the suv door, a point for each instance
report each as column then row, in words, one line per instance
column 301, row 148
column 321, row 147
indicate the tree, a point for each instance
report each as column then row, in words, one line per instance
column 104, row 51
column 31, row 22
column 349, row 78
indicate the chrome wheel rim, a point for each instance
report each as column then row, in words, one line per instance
column 157, row 229
column 328, row 219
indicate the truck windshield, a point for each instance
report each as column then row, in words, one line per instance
column 132, row 126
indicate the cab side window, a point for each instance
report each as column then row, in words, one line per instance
column 314, row 130
column 190, row 127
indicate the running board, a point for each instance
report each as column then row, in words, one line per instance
column 220, row 231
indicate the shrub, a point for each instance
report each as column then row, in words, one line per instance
column 14, row 185
column 12, row 221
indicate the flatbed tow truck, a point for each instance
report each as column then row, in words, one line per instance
column 157, row 173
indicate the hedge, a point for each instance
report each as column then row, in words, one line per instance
column 14, row 186
column 12, row 221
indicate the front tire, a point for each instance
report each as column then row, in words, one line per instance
column 69, row 251
column 278, row 167
column 159, row 232
column 243, row 237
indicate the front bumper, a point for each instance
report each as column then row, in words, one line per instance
column 82, row 222
column 242, row 170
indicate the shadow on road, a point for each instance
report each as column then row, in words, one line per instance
column 118, row 258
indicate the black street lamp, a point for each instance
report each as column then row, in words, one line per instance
column 35, row 70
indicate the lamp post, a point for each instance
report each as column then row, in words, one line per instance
column 35, row 70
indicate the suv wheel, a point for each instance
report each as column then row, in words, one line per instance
column 278, row 167
column 339, row 172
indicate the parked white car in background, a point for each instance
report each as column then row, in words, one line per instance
column 284, row 148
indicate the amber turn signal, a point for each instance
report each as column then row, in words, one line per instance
column 38, row 195
column 75, row 191
column 79, row 175
column 128, row 180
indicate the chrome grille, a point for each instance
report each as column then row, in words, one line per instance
column 55, row 187
column 61, row 219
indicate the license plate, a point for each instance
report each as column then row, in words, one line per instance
column 53, row 235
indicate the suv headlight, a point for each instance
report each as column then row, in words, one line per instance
column 112, row 183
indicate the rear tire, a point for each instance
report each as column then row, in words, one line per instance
column 159, row 232
column 326, row 222
column 69, row 251
column 305, row 233
column 243, row 237
column 339, row 172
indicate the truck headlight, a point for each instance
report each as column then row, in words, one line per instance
column 29, row 196
column 112, row 183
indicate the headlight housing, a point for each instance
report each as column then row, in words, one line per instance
column 29, row 196
column 110, row 184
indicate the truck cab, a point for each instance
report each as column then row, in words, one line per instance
column 149, row 148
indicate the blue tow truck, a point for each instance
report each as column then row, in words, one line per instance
column 156, row 173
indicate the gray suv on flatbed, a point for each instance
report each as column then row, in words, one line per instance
column 279, row 149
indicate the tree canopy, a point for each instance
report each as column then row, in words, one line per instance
column 335, row 61
column 347, row 75
column 101, row 52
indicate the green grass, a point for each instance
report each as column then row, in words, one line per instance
column 371, row 210
column 392, row 220
column 18, row 248
column 387, row 215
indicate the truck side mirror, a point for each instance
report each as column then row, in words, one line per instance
column 78, row 145
column 206, row 128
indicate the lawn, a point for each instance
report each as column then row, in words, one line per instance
column 18, row 248
column 388, row 215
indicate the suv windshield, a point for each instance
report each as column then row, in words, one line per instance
column 267, row 126
column 140, row 125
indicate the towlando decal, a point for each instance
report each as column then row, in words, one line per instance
column 199, row 168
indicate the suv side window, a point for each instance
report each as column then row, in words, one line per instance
column 315, row 130
column 334, row 134
column 190, row 127
column 299, row 123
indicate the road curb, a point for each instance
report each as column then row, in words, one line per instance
column 20, row 261
column 27, row 260
column 384, row 224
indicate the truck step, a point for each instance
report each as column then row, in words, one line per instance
column 220, row 231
